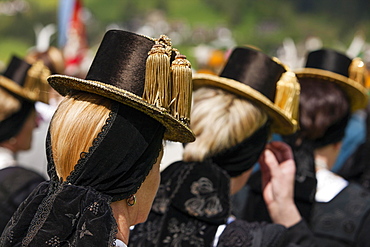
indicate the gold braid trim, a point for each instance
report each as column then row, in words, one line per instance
column 36, row 82
column 181, row 88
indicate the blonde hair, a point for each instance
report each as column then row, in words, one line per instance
column 8, row 104
column 220, row 120
column 76, row 123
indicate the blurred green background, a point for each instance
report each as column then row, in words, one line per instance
column 261, row 23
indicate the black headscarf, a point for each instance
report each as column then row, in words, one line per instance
column 11, row 126
column 244, row 155
column 77, row 212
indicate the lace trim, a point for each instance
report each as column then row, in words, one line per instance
column 84, row 156
column 41, row 215
column 52, row 172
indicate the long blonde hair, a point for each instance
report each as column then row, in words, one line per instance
column 76, row 123
column 220, row 120
column 8, row 104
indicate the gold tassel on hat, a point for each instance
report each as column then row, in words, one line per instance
column 181, row 83
column 157, row 75
column 287, row 96
column 36, row 82
column 357, row 71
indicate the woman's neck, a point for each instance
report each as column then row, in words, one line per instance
column 121, row 215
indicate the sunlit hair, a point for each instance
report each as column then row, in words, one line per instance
column 77, row 121
column 8, row 104
column 220, row 120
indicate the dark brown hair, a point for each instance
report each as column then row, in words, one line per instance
column 322, row 104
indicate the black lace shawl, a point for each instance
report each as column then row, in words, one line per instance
column 77, row 212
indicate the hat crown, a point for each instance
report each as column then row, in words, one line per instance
column 329, row 60
column 254, row 69
column 17, row 70
column 120, row 61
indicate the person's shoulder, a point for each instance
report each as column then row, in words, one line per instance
column 20, row 174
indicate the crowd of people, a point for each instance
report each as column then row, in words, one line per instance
column 257, row 165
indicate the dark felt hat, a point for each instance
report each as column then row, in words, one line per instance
column 330, row 65
column 25, row 80
column 255, row 76
column 118, row 72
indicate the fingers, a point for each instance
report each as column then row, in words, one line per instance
column 281, row 150
column 268, row 162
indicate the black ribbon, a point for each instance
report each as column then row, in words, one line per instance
column 334, row 133
column 244, row 155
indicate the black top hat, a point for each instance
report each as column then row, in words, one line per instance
column 118, row 72
column 331, row 65
column 26, row 80
column 263, row 80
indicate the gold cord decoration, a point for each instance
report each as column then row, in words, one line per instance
column 181, row 78
column 36, row 81
column 357, row 71
column 157, row 77
column 287, row 95
column 167, row 85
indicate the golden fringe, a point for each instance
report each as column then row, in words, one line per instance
column 36, row 82
column 168, row 86
column 157, row 75
column 357, row 71
column 181, row 88
column 287, row 95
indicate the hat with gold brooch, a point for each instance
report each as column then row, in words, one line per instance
column 349, row 74
column 263, row 80
column 26, row 80
column 144, row 73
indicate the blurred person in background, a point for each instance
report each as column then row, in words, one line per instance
column 233, row 116
column 52, row 58
column 331, row 89
column 21, row 85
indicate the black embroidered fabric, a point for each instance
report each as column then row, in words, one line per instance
column 11, row 126
column 241, row 233
column 192, row 201
column 77, row 212
column 244, row 155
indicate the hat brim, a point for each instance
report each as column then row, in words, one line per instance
column 16, row 89
column 175, row 129
column 281, row 124
column 356, row 93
